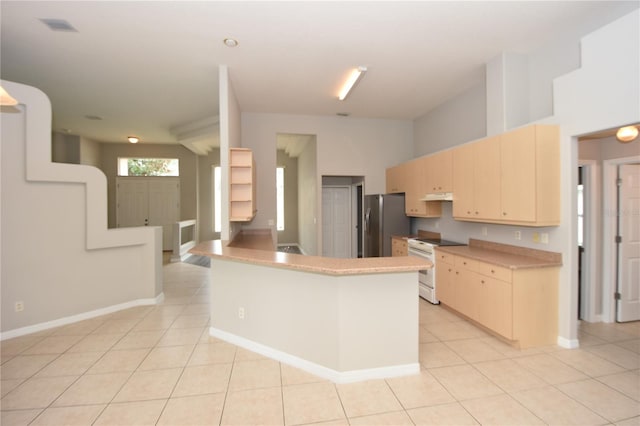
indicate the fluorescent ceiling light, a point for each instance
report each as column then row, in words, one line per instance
column 355, row 75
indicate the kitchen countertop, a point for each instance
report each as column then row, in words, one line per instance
column 257, row 248
column 504, row 255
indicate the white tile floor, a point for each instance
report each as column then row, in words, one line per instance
column 157, row 365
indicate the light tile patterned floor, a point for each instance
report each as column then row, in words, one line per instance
column 158, row 366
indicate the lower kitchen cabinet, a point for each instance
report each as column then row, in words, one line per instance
column 399, row 247
column 520, row 305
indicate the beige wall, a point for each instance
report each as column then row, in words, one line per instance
column 110, row 152
column 308, row 200
column 90, row 152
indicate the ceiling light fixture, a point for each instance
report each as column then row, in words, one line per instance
column 627, row 134
column 6, row 99
column 230, row 42
column 133, row 139
column 354, row 77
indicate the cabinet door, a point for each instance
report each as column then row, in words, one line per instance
column 463, row 181
column 394, row 179
column 486, row 182
column 496, row 306
column 518, row 170
column 467, row 291
column 439, row 172
column 445, row 284
column 415, row 188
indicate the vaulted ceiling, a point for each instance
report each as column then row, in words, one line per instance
column 151, row 68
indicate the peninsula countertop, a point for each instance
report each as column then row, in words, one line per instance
column 256, row 248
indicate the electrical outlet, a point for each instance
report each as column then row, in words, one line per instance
column 517, row 235
column 19, row 306
column 544, row 238
column 241, row 313
column 484, row 231
column 536, row 237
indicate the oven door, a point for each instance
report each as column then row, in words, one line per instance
column 426, row 284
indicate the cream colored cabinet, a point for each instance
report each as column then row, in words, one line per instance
column 242, row 191
column 439, row 172
column 395, row 179
column 416, row 189
column 519, row 305
column 399, row 247
column 530, row 176
column 513, row 178
column 445, row 279
column 476, row 181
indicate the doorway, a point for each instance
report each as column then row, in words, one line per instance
column 342, row 205
column 149, row 202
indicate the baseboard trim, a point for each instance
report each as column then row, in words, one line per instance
column 79, row 317
column 317, row 369
column 568, row 343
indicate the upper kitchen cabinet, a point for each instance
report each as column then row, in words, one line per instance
column 476, row 181
column 439, row 172
column 530, row 175
column 395, row 179
column 416, row 188
column 242, row 191
column 513, row 178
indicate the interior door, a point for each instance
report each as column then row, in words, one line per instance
column 628, row 306
column 336, row 221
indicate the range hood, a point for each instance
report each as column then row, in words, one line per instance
column 440, row 196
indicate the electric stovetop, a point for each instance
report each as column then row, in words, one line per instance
column 439, row 242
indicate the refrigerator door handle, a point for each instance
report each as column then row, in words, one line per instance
column 367, row 217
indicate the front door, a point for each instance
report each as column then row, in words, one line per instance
column 149, row 201
column 628, row 306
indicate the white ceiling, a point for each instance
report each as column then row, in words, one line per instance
column 148, row 67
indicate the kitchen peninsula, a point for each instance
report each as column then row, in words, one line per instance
column 342, row 319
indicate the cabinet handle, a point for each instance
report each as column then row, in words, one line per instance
column 504, row 213
column 476, row 212
column 493, row 272
column 456, row 272
column 482, row 281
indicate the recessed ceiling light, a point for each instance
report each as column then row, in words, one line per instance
column 59, row 25
column 133, row 139
column 342, row 114
column 230, row 42
column 93, row 117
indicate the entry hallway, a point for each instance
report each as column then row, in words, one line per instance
column 157, row 365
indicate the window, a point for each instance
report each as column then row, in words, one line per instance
column 217, row 199
column 280, row 198
column 148, row 167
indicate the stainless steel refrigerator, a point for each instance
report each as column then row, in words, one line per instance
column 383, row 217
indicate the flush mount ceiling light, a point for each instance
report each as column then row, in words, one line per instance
column 230, row 42
column 6, row 99
column 354, row 77
column 627, row 134
column 93, row 117
column 133, row 139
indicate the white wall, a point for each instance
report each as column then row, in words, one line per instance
column 456, row 121
column 308, row 189
column 57, row 255
column 346, row 146
column 205, row 195
column 90, row 152
column 230, row 137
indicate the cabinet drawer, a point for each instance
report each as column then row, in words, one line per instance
column 497, row 272
column 465, row 263
column 444, row 257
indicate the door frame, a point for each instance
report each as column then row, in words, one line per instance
column 609, row 258
column 591, row 255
